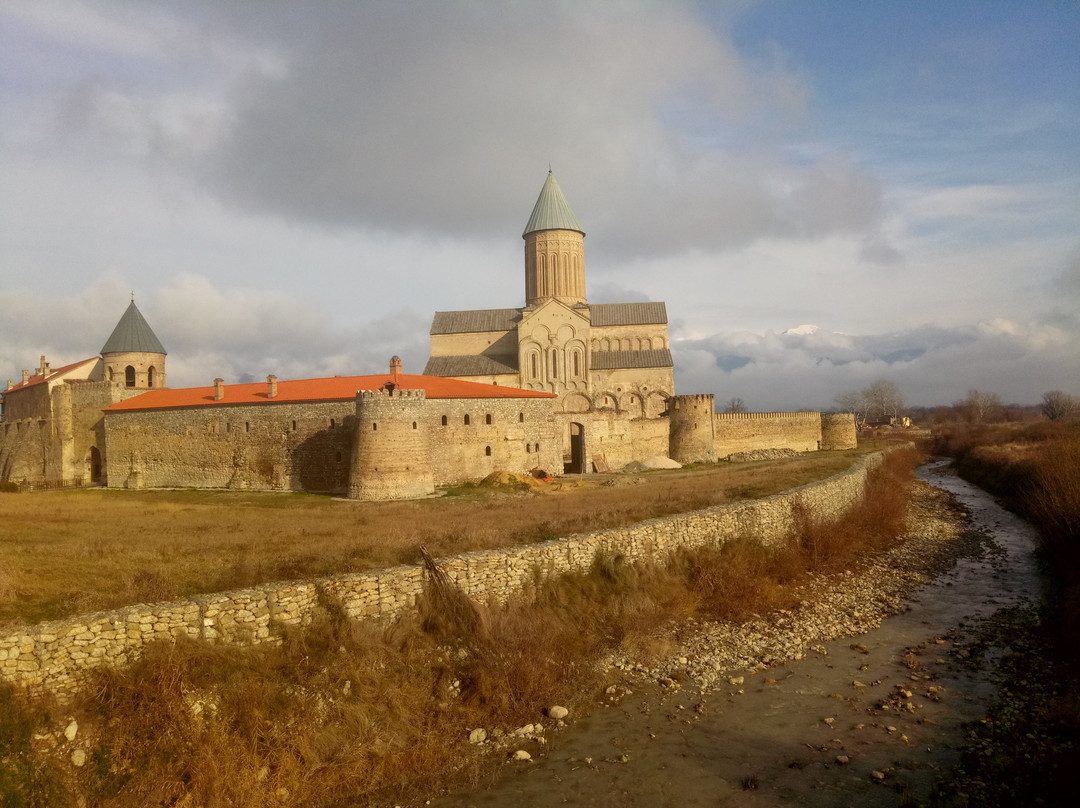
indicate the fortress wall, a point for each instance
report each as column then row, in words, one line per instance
column 621, row 439
column 747, row 431
column 518, row 426
column 838, row 430
column 24, row 435
column 58, row 655
column 299, row 447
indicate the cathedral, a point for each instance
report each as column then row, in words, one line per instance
column 558, row 384
column 608, row 363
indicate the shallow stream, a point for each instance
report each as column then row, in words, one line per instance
column 871, row 720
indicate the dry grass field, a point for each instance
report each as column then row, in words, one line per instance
column 356, row 713
column 68, row 552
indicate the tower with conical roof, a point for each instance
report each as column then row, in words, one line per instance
column 134, row 357
column 554, row 249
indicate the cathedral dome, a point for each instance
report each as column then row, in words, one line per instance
column 552, row 211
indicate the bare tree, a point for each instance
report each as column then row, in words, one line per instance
column 980, row 407
column 735, row 404
column 1059, row 406
column 884, row 401
column 853, row 401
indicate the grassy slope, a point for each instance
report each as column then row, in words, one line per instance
column 350, row 711
column 69, row 552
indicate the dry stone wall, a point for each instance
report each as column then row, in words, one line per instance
column 58, row 655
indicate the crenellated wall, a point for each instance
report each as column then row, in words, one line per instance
column 58, row 655
column 749, row 431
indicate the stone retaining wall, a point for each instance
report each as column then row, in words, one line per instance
column 57, row 655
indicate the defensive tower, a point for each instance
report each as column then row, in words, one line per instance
column 134, row 356
column 692, row 434
column 392, row 454
column 554, row 249
column 838, row 430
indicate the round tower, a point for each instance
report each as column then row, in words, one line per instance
column 554, row 249
column 838, row 430
column 392, row 455
column 134, row 356
column 692, row 431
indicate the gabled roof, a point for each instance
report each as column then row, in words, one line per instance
column 477, row 320
column 55, row 375
column 552, row 211
column 132, row 334
column 336, row 388
column 475, row 365
column 651, row 313
column 628, row 360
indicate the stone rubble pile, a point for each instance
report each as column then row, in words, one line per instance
column 761, row 454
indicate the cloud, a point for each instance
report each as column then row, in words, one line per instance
column 385, row 118
column 209, row 331
column 930, row 364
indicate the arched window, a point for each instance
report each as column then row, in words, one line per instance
column 534, row 366
column 110, row 374
column 521, row 417
column 487, row 451
column 414, row 424
column 374, row 426
column 332, row 422
column 528, row 448
column 444, row 420
column 294, row 426
column 487, row 418
column 466, row 419
column 554, row 363
column 150, row 376
column 129, row 376
column 577, row 364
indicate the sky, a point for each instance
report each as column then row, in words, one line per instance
column 824, row 193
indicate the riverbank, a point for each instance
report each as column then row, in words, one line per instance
column 775, row 712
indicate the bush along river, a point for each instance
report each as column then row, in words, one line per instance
column 875, row 691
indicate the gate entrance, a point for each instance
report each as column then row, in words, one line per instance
column 574, row 450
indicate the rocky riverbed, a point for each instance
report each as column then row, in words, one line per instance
column 869, row 693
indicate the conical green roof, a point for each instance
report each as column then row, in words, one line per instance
column 132, row 333
column 552, row 211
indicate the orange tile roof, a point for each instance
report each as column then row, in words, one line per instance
column 336, row 388
column 37, row 378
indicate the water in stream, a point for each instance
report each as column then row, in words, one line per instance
column 873, row 721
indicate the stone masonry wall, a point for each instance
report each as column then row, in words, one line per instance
column 58, row 655
column 747, row 431
column 290, row 446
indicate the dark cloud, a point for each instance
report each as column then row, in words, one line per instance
column 443, row 118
